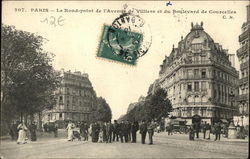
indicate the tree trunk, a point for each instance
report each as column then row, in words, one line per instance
column 21, row 115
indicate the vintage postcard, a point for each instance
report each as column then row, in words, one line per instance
column 125, row 79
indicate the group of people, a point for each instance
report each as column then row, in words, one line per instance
column 206, row 129
column 124, row 131
column 18, row 131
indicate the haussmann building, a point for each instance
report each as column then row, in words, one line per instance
column 243, row 56
column 75, row 99
column 200, row 78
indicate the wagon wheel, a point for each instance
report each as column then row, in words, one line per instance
column 174, row 131
column 182, row 130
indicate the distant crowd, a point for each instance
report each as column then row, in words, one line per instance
column 124, row 131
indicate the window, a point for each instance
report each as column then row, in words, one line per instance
column 67, row 91
column 242, row 75
column 189, row 86
column 196, row 86
column 203, row 59
column 189, row 73
column 196, row 72
column 203, row 73
column 60, row 115
column 196, row 59
column 203, row 86
column 80, row 92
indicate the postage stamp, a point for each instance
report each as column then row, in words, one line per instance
column 119, row 45
column 127, row 39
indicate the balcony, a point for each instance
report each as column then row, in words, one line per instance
column 244, row 35
column 243, row 97
column 242, row 50
column 244, row 65
column 199, row 62
column 243, row 80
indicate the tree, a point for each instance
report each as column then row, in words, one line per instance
column 155, row 106
column 160, row 106
column 28, row 79
column 103, row 111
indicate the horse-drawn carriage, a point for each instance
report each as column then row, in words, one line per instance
column 179, row 125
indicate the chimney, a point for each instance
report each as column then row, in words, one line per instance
column 232, row 59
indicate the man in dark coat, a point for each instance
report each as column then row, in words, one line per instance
column 95, row 132
column 32, row 129
column 204, row 129
column 197, row 129
column 151, row 127
column 13, row 131
column 115, row 131
column 127, row 131
column 143, row 131
column 109, row 130
column 217, row 128
column 82, row 129
column 56, row 130
column 122, row 129
column 134, row 128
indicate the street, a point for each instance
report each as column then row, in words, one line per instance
column 174, row 146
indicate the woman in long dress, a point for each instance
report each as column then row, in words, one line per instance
column 21, row 128
column 70, row 128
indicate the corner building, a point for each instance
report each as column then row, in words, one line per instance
column 243, row 56
column 199, row 78
column 75, row 99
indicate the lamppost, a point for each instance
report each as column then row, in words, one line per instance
column 232, row 129
column 232, row 95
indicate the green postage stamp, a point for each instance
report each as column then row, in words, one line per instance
column 120, row 45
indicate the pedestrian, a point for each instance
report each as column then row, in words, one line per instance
column 134, row 129
column 115, row 131
column 128, row 130
column 208, row 130
column 82, row 129
column 109, row 130
column 32, row 129
column 170, row 128
column 151, row 128
column 69, row 129
column 104, row 131
column 22, row 130
column 122, row 132
column 191, row 132
column 86, row 131
column 143, row 131
column 217, row 127
column 100, row 140
column 204, row 129
column 13, row 131
column 197, row 129
column 56, row 130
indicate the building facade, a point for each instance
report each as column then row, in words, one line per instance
column 243, row 56
column 75, row 99
column 199, row 78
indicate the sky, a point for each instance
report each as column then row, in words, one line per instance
column 75, row 38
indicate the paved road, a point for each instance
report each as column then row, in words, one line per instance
column 176, row 146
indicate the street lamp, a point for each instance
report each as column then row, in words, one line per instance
column 232, row 95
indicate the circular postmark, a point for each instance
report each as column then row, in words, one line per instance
column 130, row 36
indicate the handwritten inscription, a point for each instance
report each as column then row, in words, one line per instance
column 54, row 21
column 169, row 4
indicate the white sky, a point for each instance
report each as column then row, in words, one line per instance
column 75, row 44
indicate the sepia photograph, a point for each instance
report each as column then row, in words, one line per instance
column 124, row 79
